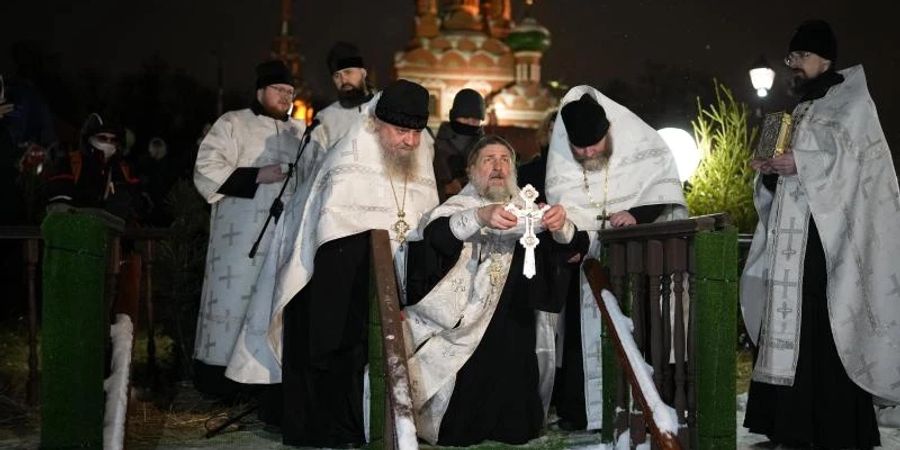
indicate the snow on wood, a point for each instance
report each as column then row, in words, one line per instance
column 403, row 422
column 664, row 415
column 116, row 386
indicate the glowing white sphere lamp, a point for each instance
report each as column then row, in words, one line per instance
column 687, row 155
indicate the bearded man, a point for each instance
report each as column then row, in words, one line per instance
column 307, row 324
column 609, row 169
column 476, row 328
column 350, row 78
column 819, row 289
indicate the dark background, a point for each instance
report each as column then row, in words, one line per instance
column 677, row 45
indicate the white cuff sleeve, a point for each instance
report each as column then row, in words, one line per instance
column 464, row 224
column 565, row 235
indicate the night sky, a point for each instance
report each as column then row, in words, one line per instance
column 593, row 41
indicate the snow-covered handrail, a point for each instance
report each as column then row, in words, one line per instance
column 661, row 418
column 399, row 425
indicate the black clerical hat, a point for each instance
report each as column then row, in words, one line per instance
column 343, row 55
column 815, row 36
column 273, row 72
column 585, row 121
column 404, row 104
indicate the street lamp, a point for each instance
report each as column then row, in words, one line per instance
column 762, row 76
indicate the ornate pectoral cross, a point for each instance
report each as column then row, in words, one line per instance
column 531, row 214
column 400, row 227
column 603, row 217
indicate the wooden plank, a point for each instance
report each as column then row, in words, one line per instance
column 664, row 230
column 395, row 370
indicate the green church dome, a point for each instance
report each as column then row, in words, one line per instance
column 529, row 35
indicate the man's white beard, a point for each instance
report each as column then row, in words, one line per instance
column 494, row 193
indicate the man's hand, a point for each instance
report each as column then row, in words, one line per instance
column 784, row 164
column 5, row 108
column 270, row 174
column 554, row 218
column 621, row 219
column 763, row 166
column 496, row 217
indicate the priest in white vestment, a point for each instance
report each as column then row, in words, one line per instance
column 608, row 169
column 241, row 166
column 350, row 78
column 477, row 322
column 820, row 291
column 307, row 326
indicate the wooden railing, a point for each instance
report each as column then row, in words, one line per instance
column 32, row 243
column 653, row 272
column 399, row 430
column 663, row 438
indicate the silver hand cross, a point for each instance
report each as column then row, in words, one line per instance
column 531, row 214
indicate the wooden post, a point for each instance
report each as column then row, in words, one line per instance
column 148, row 300
column 617, row 273
column 635, row 265
column 32, row 254
column 676, row 264
column 654, row 273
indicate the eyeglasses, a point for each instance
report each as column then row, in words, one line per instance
column 287, row 92
column 106, row 138
column 793, row 57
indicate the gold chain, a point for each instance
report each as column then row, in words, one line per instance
column 401, row 207
column 587, row 188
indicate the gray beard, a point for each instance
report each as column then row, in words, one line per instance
column 594, row 164
column 497, row 194
column 400, row 166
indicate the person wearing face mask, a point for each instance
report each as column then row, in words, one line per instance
column 348, row 72
column 96, row 175
column 454, row 139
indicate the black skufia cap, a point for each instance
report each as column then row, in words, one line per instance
column 585, row 121
column 273, row 72
column 815, row 36
column 404, row 104
column 343, row 55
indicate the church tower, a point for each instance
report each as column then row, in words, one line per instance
column 284, row 47
column 452, row 50
column 526, row 102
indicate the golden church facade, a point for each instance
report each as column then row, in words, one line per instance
column 474, row 44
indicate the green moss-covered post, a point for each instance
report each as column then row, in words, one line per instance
column 715, row 280
column 75, row 326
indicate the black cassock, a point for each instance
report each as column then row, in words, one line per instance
column 496, row 394
column 823, row 407
column 326, row 349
